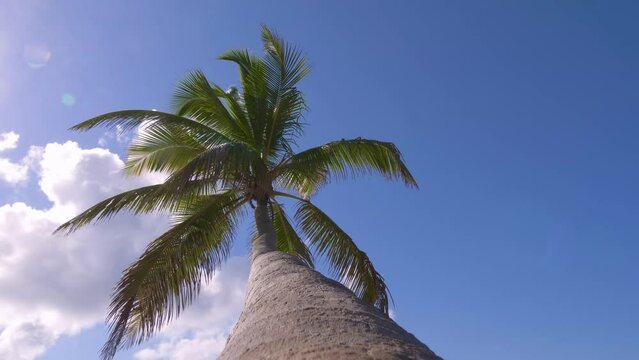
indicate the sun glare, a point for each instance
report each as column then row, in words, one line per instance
column 68, row 100
column 37, row 55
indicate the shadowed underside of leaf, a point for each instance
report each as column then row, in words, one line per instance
column 168, row 275
column 288, row 240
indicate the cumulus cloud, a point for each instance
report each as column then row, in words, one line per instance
column 8, row 140
column 15, row 172
column 51, row 286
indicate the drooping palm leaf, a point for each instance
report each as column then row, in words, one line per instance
column 142, row 200
column 288, row 240
column 348, row 263
column 131, row 119
column 241, row 57
column 168, row 275
column 308, row 170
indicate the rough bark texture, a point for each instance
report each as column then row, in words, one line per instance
column 294, row 312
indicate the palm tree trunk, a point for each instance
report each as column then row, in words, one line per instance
column 265, row 240
column 294, row 312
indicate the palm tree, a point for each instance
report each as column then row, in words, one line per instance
column 226, row 151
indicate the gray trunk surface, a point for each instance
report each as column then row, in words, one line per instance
column 294, row 312
column 265, row 240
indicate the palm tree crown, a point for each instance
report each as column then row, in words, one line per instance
column 224, row 151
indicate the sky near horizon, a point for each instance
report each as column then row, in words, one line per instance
column 518, row 119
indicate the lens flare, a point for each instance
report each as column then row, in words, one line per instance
column 37, row 55
column 68, row 100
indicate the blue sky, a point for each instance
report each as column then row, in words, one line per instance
column 518, row 119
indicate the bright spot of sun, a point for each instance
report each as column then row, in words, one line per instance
column 37, row 55
column 68, row 100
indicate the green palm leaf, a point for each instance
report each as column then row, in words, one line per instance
column 241, row 57
column 348, row 263
column 287, row 239
column 197, row 99
column 130, row 119
column 228, row 164
column 254, row 90
column 287, row 64
column 235, row 104
column 310, row 169
column 168, row 276
column 142, row 200
column 285, row 67
column 161, row 149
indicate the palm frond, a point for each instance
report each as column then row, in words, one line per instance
column 161, row 149
column 168, row 275
column 285, row 66
column 348, row 263
column 196, row 98
column 138, row 201
column 241, row 57
column 254, row 90
column 235, row 104
column 310, row 169
column 285, row 125
column 130, row 119
column 228, row 164
column 287, row 63
column 288, row 240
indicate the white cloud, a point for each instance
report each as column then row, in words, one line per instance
column 51, row 286
column 8, row 140
column 13, row 172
